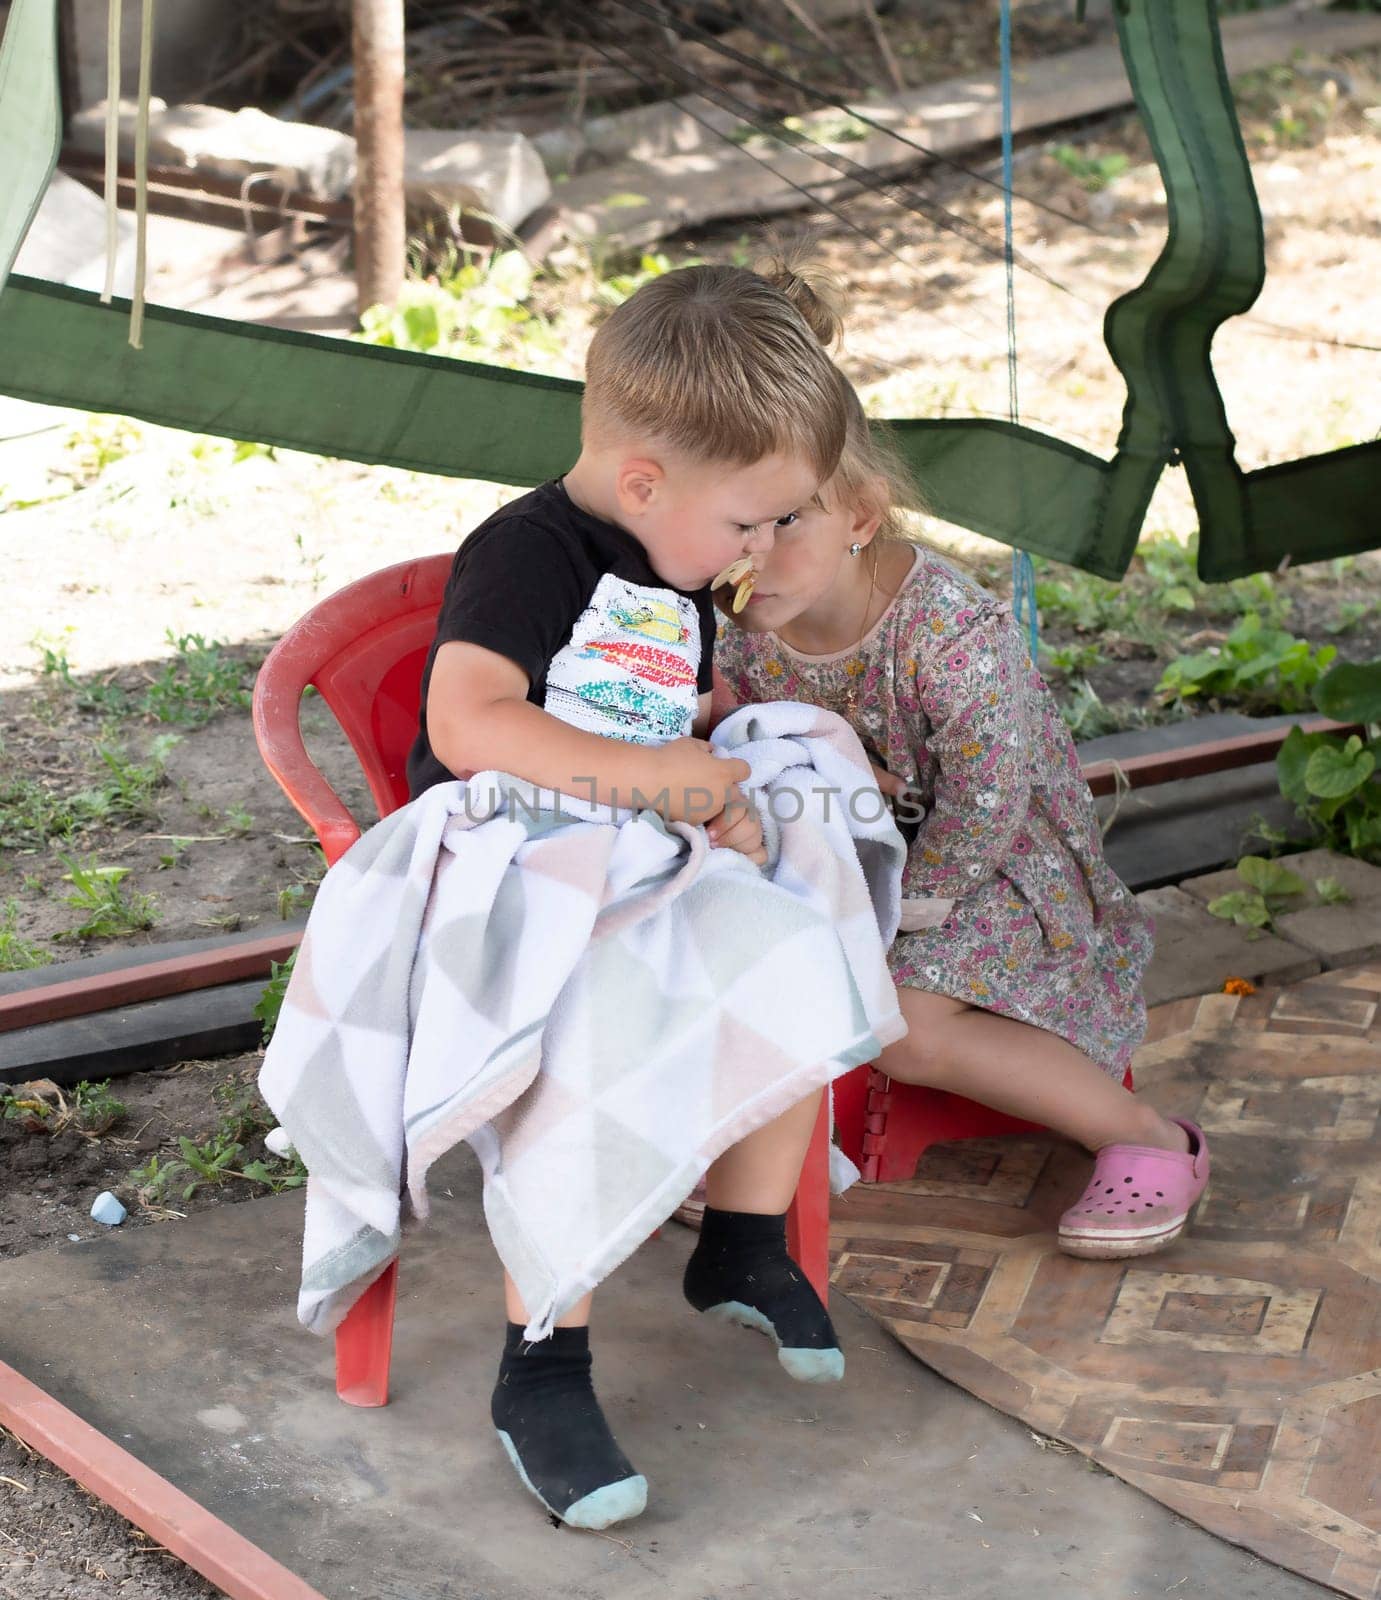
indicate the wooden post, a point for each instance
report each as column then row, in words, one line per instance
column 380, row 228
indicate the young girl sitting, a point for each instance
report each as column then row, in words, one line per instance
column 1020, row 962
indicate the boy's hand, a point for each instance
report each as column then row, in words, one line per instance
column 697, row 782
column 738, row 827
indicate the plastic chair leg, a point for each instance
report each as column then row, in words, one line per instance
column 364, row 1343
column 808, row 1220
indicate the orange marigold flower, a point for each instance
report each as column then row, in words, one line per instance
column 1238, row 986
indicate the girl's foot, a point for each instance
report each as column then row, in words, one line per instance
column 1138, row 1199
column 741, row 1272
column 550, row 1424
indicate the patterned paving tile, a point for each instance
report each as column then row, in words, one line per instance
column 1237, row 1376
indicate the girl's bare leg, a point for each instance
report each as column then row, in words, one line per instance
column 1023, row 1070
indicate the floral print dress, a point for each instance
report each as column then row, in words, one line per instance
column 1008, row 903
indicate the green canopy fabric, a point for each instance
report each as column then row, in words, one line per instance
column 1023, row 487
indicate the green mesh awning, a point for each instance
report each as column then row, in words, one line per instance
column 435, row 414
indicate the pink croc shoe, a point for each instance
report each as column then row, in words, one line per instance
column 1137, row 1200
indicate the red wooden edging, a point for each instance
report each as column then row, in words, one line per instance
column 1194, row 761
column 147, row 1499
column 103, row 991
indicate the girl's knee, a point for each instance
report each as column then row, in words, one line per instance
column 919, row 1058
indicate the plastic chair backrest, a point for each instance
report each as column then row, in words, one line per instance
column 363, row 648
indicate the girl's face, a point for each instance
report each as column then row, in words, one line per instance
column 805, row 568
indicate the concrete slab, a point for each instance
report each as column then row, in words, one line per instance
column 1339, row 935
column 1196, row 953
column 178, row 1341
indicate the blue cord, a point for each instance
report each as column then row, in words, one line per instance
column 1023, row 570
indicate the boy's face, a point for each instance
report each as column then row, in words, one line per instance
column 695, row 518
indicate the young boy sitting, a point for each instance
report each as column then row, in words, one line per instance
column 574, row 650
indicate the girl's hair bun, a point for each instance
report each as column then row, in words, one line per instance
column 810, row 286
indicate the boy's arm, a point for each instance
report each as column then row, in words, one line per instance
column 704, row 717
column 479, row 718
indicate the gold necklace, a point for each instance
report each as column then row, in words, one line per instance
column 846, row 705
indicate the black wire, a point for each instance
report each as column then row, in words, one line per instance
column 890, row 188
column 813, row 198
column 656, row 15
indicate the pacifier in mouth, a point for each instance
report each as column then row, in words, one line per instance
column 743, row 575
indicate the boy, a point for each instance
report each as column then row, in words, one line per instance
column 574, row 650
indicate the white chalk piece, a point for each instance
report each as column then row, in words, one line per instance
column 278, row 1142
column 107, row 1209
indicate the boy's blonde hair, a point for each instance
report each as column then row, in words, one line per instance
column 871, row 474
column 720, row 364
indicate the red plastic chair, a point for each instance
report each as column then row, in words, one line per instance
column 885, row 1127
column 364, row 649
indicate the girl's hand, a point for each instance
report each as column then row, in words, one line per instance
column 738, row 827
column 888, row 782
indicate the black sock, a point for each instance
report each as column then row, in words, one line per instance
column 740, row 1271
column 545, row 1410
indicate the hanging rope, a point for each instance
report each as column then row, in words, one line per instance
column 141, row 178
column 112, row 147
column 1023, row 570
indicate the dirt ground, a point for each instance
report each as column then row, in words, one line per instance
column 117, row 536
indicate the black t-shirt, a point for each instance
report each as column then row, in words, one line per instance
column 606, row 644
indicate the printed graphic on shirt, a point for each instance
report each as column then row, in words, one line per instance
column 629, row 671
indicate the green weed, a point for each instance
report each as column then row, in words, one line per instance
column 42, row 1107
column 1093, row 172
column 126, row 787
column 1269, row 886
column 271, row 1001
column 1257, row 667
column 479, row 311
column 197, row 683
column 238, row 821
column 220, row 1156
column 109, row 910
column 18, row 954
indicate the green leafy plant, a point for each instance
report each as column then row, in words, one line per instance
column 199, row 682
column 1349, row 615
column 239, row 820
column 42, row 1106
column 109, row 910
column 480, row 311
column 1331, row 891
column 1331, row 781
column 18, row 954
column 271, row 1001
column 1093, row 172
column 1269, row 886
column 1069, row 660
column 125, row 788
column 1256, row 667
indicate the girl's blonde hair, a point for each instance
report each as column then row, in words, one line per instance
column 719, row 363
column 871, row 474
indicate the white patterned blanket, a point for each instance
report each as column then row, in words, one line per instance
column 597, row 1000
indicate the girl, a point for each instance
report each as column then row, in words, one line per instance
column 1021, row 957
